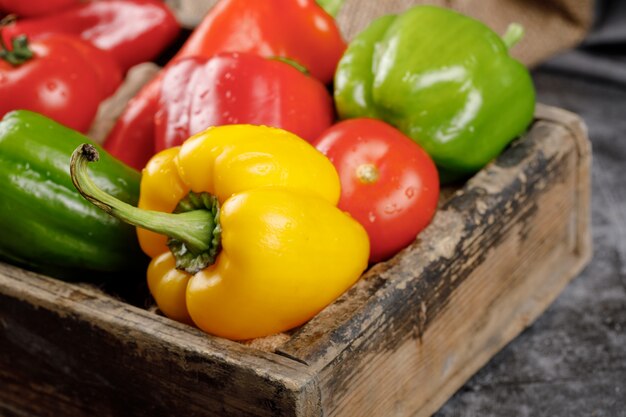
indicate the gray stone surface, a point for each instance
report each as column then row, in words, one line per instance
column 572, row 361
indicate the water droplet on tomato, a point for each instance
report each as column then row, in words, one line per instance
column 409, row 192
column 51, row 86
column 371, row 217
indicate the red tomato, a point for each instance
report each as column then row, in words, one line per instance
column 103, row 62
column 65, row 80
column 388, row 183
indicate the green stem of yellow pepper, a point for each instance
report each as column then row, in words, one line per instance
column 193, row 230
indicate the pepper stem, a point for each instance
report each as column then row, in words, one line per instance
column 514, row 33
column 193, row 235
column 19, row 52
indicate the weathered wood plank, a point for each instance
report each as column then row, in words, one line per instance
column 71, row 350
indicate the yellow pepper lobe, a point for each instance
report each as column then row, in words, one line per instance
column 229, row 159
column 161, row 190
column 285, row 256
column 168, row 286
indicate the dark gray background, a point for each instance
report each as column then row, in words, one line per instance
column 572, row 361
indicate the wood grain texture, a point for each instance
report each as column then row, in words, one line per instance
column 71, row 350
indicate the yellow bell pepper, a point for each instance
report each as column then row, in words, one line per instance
column 258, row 245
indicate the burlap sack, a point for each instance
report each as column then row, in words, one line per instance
column 551, row 25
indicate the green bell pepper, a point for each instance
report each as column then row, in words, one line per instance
column 45, row 224
column 444, row 79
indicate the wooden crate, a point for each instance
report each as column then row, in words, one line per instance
column 400, row 342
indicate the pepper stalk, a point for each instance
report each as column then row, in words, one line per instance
column 193, row 229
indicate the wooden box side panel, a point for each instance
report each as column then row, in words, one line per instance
column 70, row 351
column 491, row 262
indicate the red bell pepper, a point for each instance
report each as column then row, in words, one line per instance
column 57, row 75
column 30, row 8
column 296, row 29
column 232, row 88
column 134, row 31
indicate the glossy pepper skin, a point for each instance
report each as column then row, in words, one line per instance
column 285, row 250
column 296, row 29
column 45, row 223
column 235, row 88
column 133, row 31
column 299, row 30
column 444, row 79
